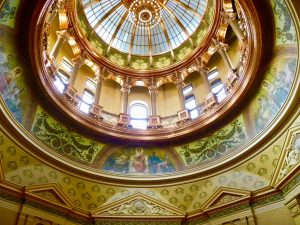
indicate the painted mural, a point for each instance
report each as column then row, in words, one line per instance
column 274, row 91
column 62, row 140
column 215, row 145
column 138, row 160
column 13, row 88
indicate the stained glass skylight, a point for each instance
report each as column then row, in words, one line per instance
column 155, row 27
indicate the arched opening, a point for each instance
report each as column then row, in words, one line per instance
column 139, row 114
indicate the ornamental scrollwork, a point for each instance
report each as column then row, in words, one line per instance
column 139, row 207
column 292, row 157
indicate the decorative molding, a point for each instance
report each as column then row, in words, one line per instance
column 290, row 156
column 294, row 206
column 51, row 193
column 225, row 196
column 2, row 177
column 138, row 205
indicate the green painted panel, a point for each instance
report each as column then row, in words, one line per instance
column 8, row 12
column 215, row 145
column 64, row 141
column 285, row 29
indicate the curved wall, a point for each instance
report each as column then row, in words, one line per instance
column 270, row 103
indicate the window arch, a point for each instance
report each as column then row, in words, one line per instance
column 190, row 101
column 213, row 74
column 218, row 88
column 138, row 111
column 86, row 101
column 61, row 80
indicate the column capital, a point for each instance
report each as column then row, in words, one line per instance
column 152, row 90
column 99, row 78
column 228, row 16
column 220, row 45
column 79, row 58
column 63, row 34
column 178, row 81
column 203, row 68
column 126, row 88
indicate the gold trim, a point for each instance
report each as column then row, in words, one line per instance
column 167, row 38
column 131, row 41
column 150, row 46
column 187, row 7
column 179, row 23
column 34, row 189
column 166, row 71
column 90, row 3
column 105, row 17
column 117, row 30
column 100, row 212
column 2, row 4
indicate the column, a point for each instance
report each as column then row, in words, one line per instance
column 96, row 109
column 179, row 85
column 125, row 90
column 154, row 120
column 71, row 91
column 77, row 64
column 183, row 114
column 203, row 72
column 62, row 36
column 153, row 93
column 230, row 18
column 221, row 47
column 53, row 11
column 99, row 80
column 124, row 117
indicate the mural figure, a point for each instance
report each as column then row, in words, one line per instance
column 274, row 93
column 8, row 85
column 156, row 165
column 139, row 162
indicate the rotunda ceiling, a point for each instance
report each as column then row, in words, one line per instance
column 143, row 27
column 146, row 35
column 73, row 131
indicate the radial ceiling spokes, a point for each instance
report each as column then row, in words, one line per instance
column 90, row 3
column 177, row 21
column 112, row 10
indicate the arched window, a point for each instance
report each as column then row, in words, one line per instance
column 86, row 101
column 139, row 115
column 212, row 74
column 218, row 89
column 67, row 66
column 61, row 81
column 190, row 101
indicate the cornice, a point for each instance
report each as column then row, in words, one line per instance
column 255, row 200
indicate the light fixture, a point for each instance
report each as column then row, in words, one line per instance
column 145, row 14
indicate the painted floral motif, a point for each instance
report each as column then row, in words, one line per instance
column 215, row 145
column 7, row 12
column 285, row 30
column 62, row 139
